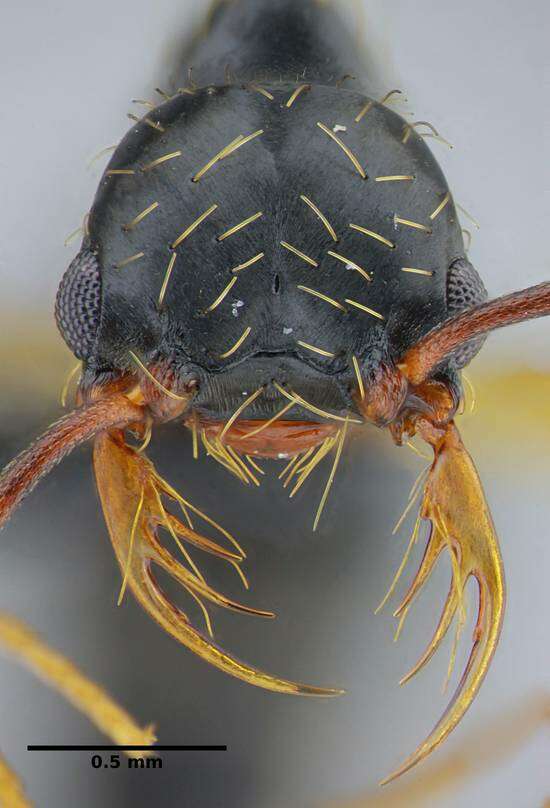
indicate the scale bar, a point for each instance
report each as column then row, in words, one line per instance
column 127, row 748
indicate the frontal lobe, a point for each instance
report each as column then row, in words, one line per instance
column 235, row 222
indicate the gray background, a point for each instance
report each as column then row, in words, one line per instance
column 69, row 70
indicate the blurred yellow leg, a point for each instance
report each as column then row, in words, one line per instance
column 12, row 794
column 56, row 671
column 475, row 755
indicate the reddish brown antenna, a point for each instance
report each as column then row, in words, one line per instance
column 437, row 344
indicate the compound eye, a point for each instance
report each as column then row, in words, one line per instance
column 465, row 289
column 78, row 304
